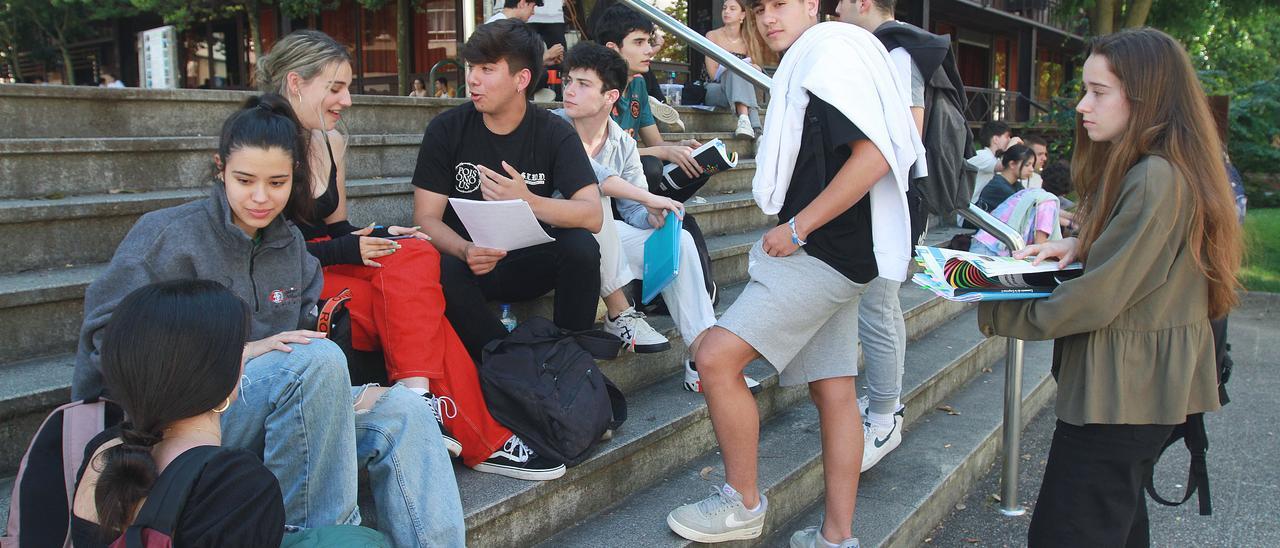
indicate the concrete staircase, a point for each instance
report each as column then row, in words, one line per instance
column 79, row 165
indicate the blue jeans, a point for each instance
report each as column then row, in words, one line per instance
column 295, row 409
column 414, row 491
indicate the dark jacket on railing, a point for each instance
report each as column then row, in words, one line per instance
column 946, row 133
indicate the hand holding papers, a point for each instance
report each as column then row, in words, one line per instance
column 507, row 225
column 967, row 277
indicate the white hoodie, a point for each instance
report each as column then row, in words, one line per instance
column 848, row 68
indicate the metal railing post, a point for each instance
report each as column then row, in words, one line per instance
column 700, row 43
column 1012, row 442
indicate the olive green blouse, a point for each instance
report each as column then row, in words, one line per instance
column 1133, row 340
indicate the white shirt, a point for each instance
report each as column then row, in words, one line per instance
column 497, row 17
column 551, row 11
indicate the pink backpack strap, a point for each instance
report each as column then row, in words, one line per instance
column 80, row 423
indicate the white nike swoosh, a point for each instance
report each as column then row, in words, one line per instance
column 731, row 521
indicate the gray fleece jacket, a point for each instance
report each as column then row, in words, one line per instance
column 277, row 277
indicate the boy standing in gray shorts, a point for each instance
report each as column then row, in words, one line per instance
column 836, row 143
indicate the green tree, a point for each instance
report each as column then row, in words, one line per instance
column 61, row 23
column 673, row 50
column 12, row 37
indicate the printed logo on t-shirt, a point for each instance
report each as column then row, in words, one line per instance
column 635, row 108
column 468, row 178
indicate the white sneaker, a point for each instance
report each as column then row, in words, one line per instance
column 878, row 442
column 693, row 384
column 744, row 128
column 664, row 113
column 636, row 333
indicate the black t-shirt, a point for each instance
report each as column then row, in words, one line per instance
column 235, row 502
column 844, row 242
column 544, row 148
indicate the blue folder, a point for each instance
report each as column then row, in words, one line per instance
column 661, row 258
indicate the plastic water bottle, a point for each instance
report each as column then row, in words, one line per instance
column 508, row 318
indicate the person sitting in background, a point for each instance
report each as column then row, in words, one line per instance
column 297, row 410
column 1033, row 212
column 595, row 80
column 1058, row 175
column 523, row 11
column 1041, row 148
column 419, row 88
column 172, row 358
column 500, row 146
column 1015, row 166
column 109, row 80
column 396, row 304
column 726, row 88
column 995, row 137
column 629, row 33
column 442, row 88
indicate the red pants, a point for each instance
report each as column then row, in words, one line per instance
column 399, row 310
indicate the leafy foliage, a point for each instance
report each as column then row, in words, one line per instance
column 1255, row 129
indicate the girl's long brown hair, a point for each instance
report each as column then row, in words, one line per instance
column 1168, row 117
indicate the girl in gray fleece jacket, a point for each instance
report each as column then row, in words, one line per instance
column 296, row 410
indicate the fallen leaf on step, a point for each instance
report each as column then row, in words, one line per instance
column 995, row 497
column 928, row 540
column 961, row 506
column 947, row 446
column 970, row 540
column 986, row 369
column 706, row 472
column 948, row 409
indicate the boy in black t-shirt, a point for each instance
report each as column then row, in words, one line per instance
column 501, row 147
column 833, row 166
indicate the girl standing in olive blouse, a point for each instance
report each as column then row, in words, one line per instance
column 1161, row 246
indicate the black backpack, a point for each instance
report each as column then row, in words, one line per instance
column 545, row 386
column 1193, row 433
column 947, row 137
column 44, row 490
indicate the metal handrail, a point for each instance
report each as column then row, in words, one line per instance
column 1012, row 442
column 459, row 90
column 700, row 43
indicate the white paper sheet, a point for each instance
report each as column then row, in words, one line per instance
column 506, row 224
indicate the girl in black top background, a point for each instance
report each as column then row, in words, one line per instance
column 172, row 358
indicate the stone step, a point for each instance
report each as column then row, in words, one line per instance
column 78, row 230
column 52, row 168
column 788, row 442
column 34, row 386
column 33, row 112
column 790, row 474
column 41, row 310
column 903, row 498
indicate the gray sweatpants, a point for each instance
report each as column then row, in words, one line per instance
column 731, row 89
column 883, row 334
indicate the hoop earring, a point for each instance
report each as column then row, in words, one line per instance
column 226, row 404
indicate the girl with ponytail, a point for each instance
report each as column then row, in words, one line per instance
column 1160, row 243
column 397, row 306
column 296, row 406
column 174, row 371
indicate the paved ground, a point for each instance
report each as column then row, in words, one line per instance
column 1244, row 460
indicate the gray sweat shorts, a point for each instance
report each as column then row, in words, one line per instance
column 800, row 314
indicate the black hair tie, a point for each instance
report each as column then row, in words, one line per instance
column 132, row 436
